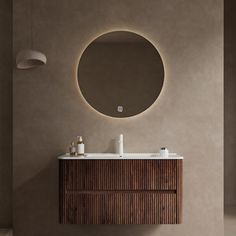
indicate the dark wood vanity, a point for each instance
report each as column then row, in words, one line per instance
column 126, row 191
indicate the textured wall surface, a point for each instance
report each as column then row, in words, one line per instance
column 5, row 112
column 230, row 103
column 187, row 118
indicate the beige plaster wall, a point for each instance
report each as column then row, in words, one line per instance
column 230, row 103
column 5, row 113
column 187, row 118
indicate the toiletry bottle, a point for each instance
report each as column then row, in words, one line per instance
column 72, row 149
column 80, row 145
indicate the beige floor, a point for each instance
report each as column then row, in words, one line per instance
column 230, row 221
column 5, row 232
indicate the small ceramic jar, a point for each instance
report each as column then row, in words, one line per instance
column 164, row 152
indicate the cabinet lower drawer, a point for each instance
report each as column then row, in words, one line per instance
column 119, row 207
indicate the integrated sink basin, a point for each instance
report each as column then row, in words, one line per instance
column 150, row 156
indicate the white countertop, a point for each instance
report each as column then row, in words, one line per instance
column 132, row 156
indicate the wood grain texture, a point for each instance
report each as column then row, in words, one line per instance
column 120, row 191
column 179, row 191
column 120, row 174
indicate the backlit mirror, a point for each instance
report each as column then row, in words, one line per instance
column 120, row 74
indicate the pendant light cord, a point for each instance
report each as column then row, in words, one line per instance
column 31, row 24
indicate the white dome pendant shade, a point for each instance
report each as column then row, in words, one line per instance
column 27, row 59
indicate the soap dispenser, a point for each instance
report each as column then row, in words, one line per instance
column 80, row 145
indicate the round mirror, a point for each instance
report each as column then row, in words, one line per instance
column 120, row 74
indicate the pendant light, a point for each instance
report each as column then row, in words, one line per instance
column 29, row 58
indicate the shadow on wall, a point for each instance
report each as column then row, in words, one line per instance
column 230, row 221
column 37, row 201
column 229, row 104
column 230, row 211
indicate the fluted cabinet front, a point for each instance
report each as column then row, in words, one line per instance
column 120, row 191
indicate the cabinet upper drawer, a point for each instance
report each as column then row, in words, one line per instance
column 119, row 174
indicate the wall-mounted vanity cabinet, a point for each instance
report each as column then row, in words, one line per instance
column 120, row 191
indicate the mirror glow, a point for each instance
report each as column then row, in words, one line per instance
column 120, row 74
